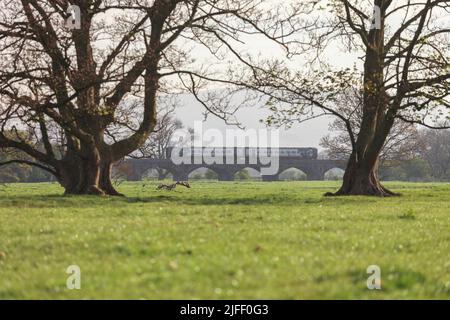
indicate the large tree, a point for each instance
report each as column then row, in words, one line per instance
column 403, row 73
column 68, row 87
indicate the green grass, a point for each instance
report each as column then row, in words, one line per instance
column 225, row 241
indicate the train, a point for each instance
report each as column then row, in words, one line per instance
column 299, row 153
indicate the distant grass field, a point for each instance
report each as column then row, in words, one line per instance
column 243, row 240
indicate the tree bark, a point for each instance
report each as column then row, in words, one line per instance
column 105, row 179
column 89, row 175
column 362, row 178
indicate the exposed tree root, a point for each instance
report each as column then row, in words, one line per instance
column 377, row 191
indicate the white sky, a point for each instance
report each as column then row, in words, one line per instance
column 306, row 134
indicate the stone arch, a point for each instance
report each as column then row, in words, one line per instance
column 254, row 174
column 157, row 173
column 292, row 174
column 335, row 173
column 201, row 170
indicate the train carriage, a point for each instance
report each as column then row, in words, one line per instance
column 300, row 153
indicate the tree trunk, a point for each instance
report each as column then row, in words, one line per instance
column 361, row 178
column 361, row 175
column 69, row 177
column 88, row 176
column 105, row 179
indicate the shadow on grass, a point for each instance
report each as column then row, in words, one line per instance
column 56, row 201
column 222, row 201
column 301, row 197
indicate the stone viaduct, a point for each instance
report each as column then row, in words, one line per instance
column 134, row 169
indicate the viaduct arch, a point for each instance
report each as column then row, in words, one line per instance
column 134, row 169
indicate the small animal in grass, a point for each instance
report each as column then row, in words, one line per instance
column 171, row 187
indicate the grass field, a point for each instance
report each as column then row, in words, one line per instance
column 225, row 241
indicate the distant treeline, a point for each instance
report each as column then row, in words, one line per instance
column 23, row 173
column 12, row 173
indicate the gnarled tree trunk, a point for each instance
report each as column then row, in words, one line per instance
column 87, row 173
column 87, row 178
column 105, row 182
column 361, row 178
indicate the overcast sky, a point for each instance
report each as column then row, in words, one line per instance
column 300, row 135
column 306, row 134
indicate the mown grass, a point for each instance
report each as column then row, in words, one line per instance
column 225, row 240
